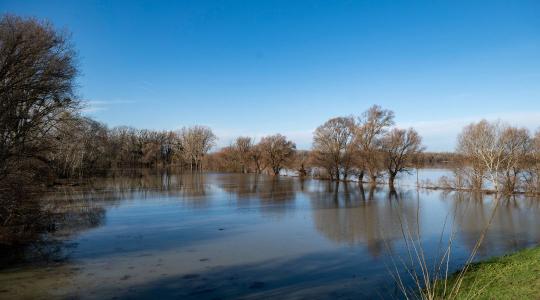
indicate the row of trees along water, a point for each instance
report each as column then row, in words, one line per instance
column 342, row 147
column 44, row 135
column 489, row 155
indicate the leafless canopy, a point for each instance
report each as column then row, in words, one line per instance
column 333, row 146
column 243, row 146
column 398, row 146
column 37, row 73
column 277, row 151
column 372, row 125
column 196, row 141
column 494, row 149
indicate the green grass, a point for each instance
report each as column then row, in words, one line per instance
column 515, row 276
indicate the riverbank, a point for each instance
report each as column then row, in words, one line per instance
column 514, row 276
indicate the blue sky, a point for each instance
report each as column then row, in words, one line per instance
column 261, row 67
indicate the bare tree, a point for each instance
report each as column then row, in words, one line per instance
column 277, row 151
column 372, row 125
column 78, row 147
column 398, row 146
column 302, row 162
column 333, row 146
column 242, row 148
column 494, row 147
column 534, row 181
column 129, row 147
column 196, row 142
column 37, row 73
column 256, row 155
column 518, row 145
column 223, row 160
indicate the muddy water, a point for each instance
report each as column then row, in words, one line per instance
column 229, row 236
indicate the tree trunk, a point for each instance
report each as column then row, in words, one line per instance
column 371, row 192
column 302, row 172
column 362, row 193
column 391, row 180
column 373, row 180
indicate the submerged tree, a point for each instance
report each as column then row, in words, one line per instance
column 372, row 125
column 276, row 151
column 242, row 148
column 534, row 178
column 196, row 141
column 493, row 149
column 302, row 162
column 256, row 156
column 333, row 146
column 398, row 146
column 518, row 145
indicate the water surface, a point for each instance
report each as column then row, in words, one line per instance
column 228, row 236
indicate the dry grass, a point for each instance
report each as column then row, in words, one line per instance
column 432, row 279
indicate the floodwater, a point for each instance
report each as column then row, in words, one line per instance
column 230, row 236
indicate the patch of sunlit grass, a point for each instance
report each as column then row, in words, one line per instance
column 515, row 276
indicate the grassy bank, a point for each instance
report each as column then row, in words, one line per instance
column 515, row 276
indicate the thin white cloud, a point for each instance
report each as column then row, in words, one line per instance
column 146, row 86
column 441, row 135
column 438, row 135
column 91, row 106
column 302, row 138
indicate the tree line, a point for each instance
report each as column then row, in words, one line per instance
column 86, row 147
column 343, row 147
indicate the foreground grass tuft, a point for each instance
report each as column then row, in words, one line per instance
column 515, row 276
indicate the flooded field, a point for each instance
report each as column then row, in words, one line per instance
column 228, row 236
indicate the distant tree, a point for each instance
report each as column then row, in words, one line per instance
column 302, row 162
column 242, row 148
column 223, row 160
column 78, row 147
column 372, row 125
column 333, row 146
column 151, row 147
column 257, row 157
column 277, row 151
column 518, row 144
column 534, row 173
column 493, row 147
column 536, row 144
column 398, row 147
column 196, row 142
column 169, row 145
column 37, row 80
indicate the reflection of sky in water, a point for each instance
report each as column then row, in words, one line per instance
column 233, row 235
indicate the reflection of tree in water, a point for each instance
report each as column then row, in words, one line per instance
column 344, row 214
column 242, row 186
column 163, row 182
column 191, row 188
column 273, row 195
column 38, row 227
column 515, row 223
column 35, row 227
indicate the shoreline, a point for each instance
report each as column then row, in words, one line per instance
column 75, row 182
